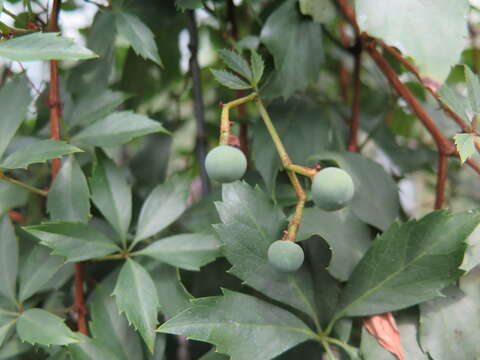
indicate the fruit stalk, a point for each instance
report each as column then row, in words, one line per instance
column 225, row 118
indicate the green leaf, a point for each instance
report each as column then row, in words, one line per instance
column 14, row 347
column 108, row 327
column 472, row 255
column 449, row 326
column 160, row 347
column 172, row 295
column 94, row 106
column 231, row 322
column 438, row 42
column 37, row 152
column 75, row 241
column 136, row 296
column 376, row 199
column 89, row 349
column 162, row 207
column 250, row 224
column 43, row 46
column 117, row 129
column 38, row 326
column 409, row 264
column 297, row 48
column 5, row 329
column 322, row 11
column 112, row 195
column 69, row 198
column 455, row 101
column 473, row 85
column 236, row 63
column 188, row 4
column 186, row 251
column 213, row 355
column 258, row 67
column 465, row 146
column 11, row 196
column 229, row 80
column 138, row 35
column 8, row 258
column 37, row 270
column 15, row 99
column 348, row 238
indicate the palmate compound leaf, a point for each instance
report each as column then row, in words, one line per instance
column 236, row 63
column 38, row 326
column 136, row 296
column 241, row 326
column 250, row 224
column 408, row 264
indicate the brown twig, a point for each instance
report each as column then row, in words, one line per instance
column 55, row 105
column 16, row 217
column 199, row 110
column 441, row 180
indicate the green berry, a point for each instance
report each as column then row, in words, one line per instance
column 285, row 255
column 225, row 164
column 332, row 189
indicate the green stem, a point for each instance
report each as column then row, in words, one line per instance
column 225, row 117
column 327, row 348
column 112, row 257
column 9, row 13
column 23, row 185
column 346, row 347
column 6, row 312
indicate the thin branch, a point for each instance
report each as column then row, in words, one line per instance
column 198, row 106
column 23, row 185
column 441, row 181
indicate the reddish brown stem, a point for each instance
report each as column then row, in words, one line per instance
column 355, row 119
column 55, row 105
column 79, row 304
column 441, row 180
column 349, row 13
column 16, row 217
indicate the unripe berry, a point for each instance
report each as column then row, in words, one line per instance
column 332, row 189
column 285, row 255
column 225, row 164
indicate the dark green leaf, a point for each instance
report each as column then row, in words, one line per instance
column 89, row 349
column 473, row 85
column 444, row 32
column 136, row 296
column 172, row 295
column 117, row 129
column 449, row 326
column 408, row 264
column 186, row 251
column 188, row 4
column 36, row 271
column 94, row 106
column 37, row 152
column 11, row 196
column 236, row 63
column 297, row 48
column 163, row 206
column 231, row 322
column 348, row 238
column 75, row 241
column 376, row 194
column 465, row 145
column 69, row 198
column 322, row 11
column 15, row 98
column 43, row 46
column 229, row 80
column 38, row 326
column 109, row 328
column 139, row 36
column 250, row 224
column 257, row 67
column 8, row 258
column 112, row 195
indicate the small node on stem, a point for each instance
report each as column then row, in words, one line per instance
column 285, row 255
